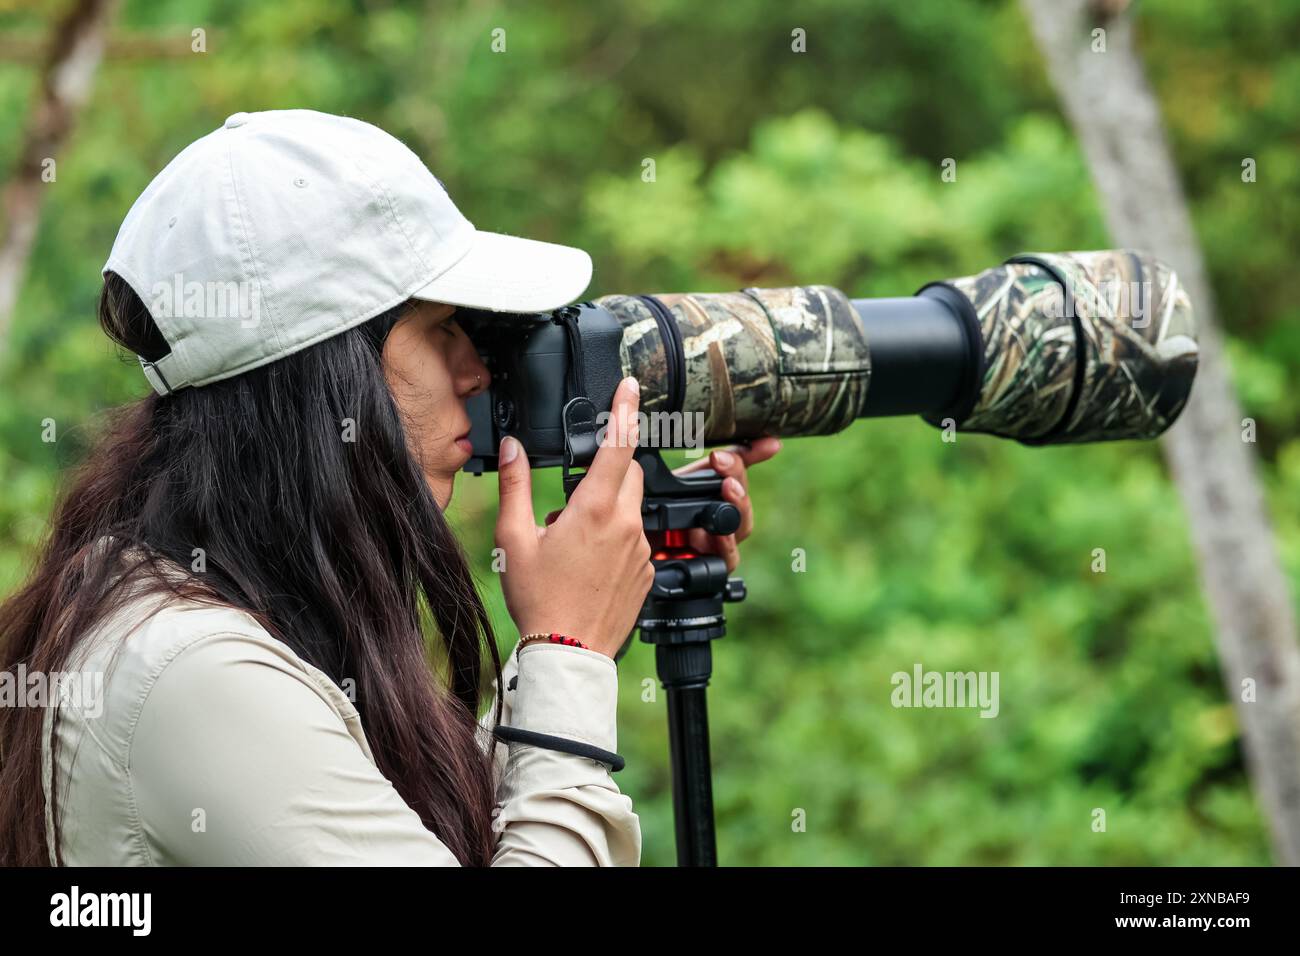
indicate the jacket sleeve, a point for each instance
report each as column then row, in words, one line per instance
column 238, row 757
column 555, row 808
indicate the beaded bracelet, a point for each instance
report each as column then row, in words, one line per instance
column 551, row 638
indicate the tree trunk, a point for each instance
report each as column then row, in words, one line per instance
column 1115, row 114
column 76, row 48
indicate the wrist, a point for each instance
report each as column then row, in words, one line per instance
column 549, row 637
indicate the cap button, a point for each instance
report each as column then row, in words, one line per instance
column 236, row 119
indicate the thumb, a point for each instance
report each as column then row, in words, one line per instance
column 516, row 525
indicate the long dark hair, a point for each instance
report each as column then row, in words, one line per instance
column 335, row 546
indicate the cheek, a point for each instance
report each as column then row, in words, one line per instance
column 419, row 379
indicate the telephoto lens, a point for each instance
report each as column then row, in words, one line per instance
column 1047, row 348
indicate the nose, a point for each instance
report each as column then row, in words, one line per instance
column 472, row 376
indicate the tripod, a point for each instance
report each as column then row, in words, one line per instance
column 681, row 617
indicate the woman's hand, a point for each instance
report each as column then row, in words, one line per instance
column 585, row 574
column 732, row 462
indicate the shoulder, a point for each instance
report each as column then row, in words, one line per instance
column 203, row 712
column 139, row 642
column 146, row 629
column 164, row 654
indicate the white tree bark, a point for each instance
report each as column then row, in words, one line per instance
column 1109, row 102
column 76, row 48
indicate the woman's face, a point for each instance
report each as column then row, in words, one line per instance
column 432, row 367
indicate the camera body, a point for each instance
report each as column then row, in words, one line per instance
column 536, row 366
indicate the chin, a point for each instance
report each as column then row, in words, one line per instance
column 441, row 486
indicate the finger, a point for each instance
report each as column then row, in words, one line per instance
column 736, row 460
column 516, row 525
column 729, row 464
column 731, row 467
column 704, row 461
column 700, row 541
column 724, row 546
column 735, row 492
column 722, row 460
column 760, row 449
column 629, row 501
column 605, row 476
column 632, row 491
column 711, row 459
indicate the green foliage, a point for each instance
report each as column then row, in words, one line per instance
column 773, row 168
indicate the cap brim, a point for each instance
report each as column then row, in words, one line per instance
column 510, row 274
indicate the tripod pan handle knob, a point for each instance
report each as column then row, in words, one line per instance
column 720, row 517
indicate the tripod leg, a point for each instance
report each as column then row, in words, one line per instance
column 688, row 740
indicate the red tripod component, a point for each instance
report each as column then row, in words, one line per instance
column 669, row 544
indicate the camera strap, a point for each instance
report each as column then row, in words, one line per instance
column 580, row 442
column 594, row 340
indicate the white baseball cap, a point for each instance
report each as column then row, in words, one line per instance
column 283, row 228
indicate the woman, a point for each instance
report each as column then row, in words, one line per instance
column 249, row 561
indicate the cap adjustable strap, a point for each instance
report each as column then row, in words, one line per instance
column 161, row 375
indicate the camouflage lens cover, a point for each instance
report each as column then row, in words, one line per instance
column 759, row 362
column 1112, row 357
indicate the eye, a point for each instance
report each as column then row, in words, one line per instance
column 448, row 325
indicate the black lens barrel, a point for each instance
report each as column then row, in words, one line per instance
column 925, row 354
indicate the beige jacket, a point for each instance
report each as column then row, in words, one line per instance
column 213, row 743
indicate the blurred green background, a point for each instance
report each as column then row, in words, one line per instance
column 771, row 168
